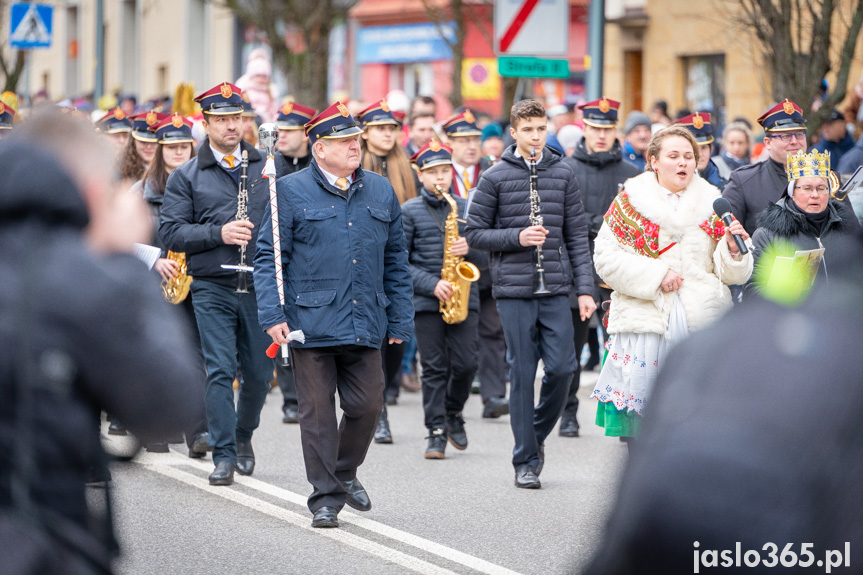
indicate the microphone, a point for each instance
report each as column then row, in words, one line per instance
column 723, row 209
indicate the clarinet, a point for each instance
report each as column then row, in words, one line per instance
column 242, row 214
column 536, row 220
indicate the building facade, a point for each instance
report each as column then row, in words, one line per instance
column 150, row 46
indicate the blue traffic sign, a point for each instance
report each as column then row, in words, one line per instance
column 31, row 25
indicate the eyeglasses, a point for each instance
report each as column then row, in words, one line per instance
column 801, row 136
column 809, row 190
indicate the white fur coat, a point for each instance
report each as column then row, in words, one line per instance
column 638, row 304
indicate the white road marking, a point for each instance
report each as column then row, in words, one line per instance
column 159, row 464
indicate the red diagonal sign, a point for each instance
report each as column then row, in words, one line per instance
column 509, row 36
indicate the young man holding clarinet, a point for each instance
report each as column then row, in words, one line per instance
column 527, row 212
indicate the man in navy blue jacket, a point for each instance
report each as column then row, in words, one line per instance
column 199, row 218
column 535, row 325
column 347, row 286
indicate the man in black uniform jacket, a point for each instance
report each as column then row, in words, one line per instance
column 752, row 188
column 199, row 218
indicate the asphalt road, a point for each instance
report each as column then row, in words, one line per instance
column 458, row 515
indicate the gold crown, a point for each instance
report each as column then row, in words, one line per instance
column 803, row 165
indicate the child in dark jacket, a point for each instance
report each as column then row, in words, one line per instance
column 447, row 349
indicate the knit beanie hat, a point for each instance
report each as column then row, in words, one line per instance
column 634, row 119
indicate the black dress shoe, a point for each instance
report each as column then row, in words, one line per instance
column 326, row 517
column 568, row 426
column 199, row 446
column 495, row 407
column 116, row 428
column 223, row 474
column 245, row 458
column 437, row 444
column 455, row 431
column 160, row 447
column 382, row 433
column 541, row 451
column 391, row 399
column 525, row 477
column 357, row 496
column 292, row 414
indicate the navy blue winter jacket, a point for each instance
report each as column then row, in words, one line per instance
column 424, row 233
column 500, row 210
column 347, row 279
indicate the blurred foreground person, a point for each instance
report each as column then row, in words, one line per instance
column 669, row 260
column 81, row 324
column 724, row 458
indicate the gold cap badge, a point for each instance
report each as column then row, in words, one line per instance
column 343, row 110
column 469, row 117
column 119, row 114
column 227, row 92
column 434, row 146
column 287, row 108
column 2, row 108
column 604, row 106
column 788, row 107
column 177, row 121
column 151, row 118
column 698, row 121
column 384, row 106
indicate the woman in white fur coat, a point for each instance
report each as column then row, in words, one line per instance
column 669, row 259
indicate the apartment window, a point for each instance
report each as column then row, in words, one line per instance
column 704, row 85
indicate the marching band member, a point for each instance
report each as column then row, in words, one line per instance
column 447, row 351
column 200, row 218
column 511, row 218
column 348, row 288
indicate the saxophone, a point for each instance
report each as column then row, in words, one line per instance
column 455, row 270
column 176, row 290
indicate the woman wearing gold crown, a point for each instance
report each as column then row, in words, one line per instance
column 807, row 218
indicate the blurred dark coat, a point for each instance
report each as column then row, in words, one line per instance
column 101, row 337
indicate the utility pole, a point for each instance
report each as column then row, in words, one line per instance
column 99, row 80
column 595, row 47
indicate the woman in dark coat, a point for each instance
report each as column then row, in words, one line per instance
column 807, row 218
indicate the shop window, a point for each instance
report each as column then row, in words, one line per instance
column 704, row 86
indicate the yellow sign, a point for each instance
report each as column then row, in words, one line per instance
column 480, row 80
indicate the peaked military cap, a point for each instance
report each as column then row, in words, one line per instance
column 600, row 113
column 785, row 116
column 222, row 99
column 334, row 122
column 293, row 116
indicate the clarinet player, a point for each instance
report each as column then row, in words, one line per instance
column 536, row 231
column 208, row 214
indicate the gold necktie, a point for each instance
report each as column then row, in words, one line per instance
column 466, row 181
column 342, row 183
column 230, row 160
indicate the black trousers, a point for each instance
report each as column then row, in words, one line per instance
column 448, row 358
column 285, row 378
column 333, row 450
column 536, row 328
column 579, row 338
column 391, row 360
column 491, row 362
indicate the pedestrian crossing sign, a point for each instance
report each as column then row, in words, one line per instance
column 31, row 25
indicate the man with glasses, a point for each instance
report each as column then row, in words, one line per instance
column 752, row 188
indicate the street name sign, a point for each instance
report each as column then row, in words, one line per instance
column 532, row 67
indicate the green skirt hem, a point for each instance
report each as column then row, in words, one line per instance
column 617, row 422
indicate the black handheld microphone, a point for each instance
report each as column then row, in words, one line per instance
column 723, row 209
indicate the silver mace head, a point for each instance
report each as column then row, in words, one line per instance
column 268, row 134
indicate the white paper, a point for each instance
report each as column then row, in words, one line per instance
column 297, row 335
column 147, row 254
